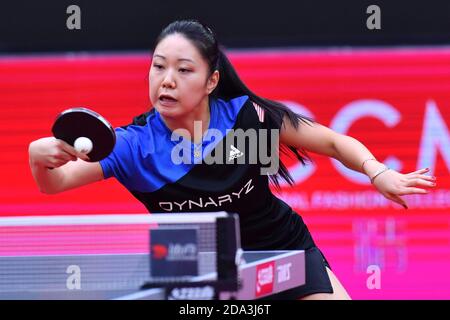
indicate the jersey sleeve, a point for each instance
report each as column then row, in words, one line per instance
column 268, row 131
column 119, row 163
column 262, row 118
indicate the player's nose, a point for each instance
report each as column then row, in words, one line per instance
column 168, row 80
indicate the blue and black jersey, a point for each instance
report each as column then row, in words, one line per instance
column 143, row 161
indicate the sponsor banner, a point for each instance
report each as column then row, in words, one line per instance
column 265, row 278
column 174, row 252
column 396, row 102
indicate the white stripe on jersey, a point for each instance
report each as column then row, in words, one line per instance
column 259, row 111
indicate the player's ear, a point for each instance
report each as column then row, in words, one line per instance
column 213, row 81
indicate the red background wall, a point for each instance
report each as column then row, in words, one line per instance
column 397, row 102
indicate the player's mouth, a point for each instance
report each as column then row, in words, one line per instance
column 167, row 100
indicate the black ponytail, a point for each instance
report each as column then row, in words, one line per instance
column 231, row 86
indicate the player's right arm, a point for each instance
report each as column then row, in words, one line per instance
column 68, row 171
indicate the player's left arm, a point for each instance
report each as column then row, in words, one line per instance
column 316, row 138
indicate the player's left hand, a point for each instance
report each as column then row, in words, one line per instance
column 392, row 184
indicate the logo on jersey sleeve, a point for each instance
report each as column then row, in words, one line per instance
column 259, row 111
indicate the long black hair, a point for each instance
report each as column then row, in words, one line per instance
column 231, row 86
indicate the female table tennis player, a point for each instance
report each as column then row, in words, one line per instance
column 191, row 80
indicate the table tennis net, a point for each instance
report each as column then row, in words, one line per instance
column 111, row 251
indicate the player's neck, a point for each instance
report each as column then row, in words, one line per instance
column 200, row 117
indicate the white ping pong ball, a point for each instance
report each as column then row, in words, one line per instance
column 83, row 145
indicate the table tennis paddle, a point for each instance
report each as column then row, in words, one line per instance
column 83, row 128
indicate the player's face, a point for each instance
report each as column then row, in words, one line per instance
column 179, row 77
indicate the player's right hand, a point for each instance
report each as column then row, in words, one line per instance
column 50, row 152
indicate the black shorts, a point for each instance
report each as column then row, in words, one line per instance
column 317, row 279
column 316, row 275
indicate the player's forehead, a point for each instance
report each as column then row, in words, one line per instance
column 177, row 48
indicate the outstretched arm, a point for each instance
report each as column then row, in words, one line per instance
column 68, row 172
column 354, row 155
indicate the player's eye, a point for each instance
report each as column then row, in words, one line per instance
column 157, row 66
column 184, row 70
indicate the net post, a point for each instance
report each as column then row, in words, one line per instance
column 228, row 252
